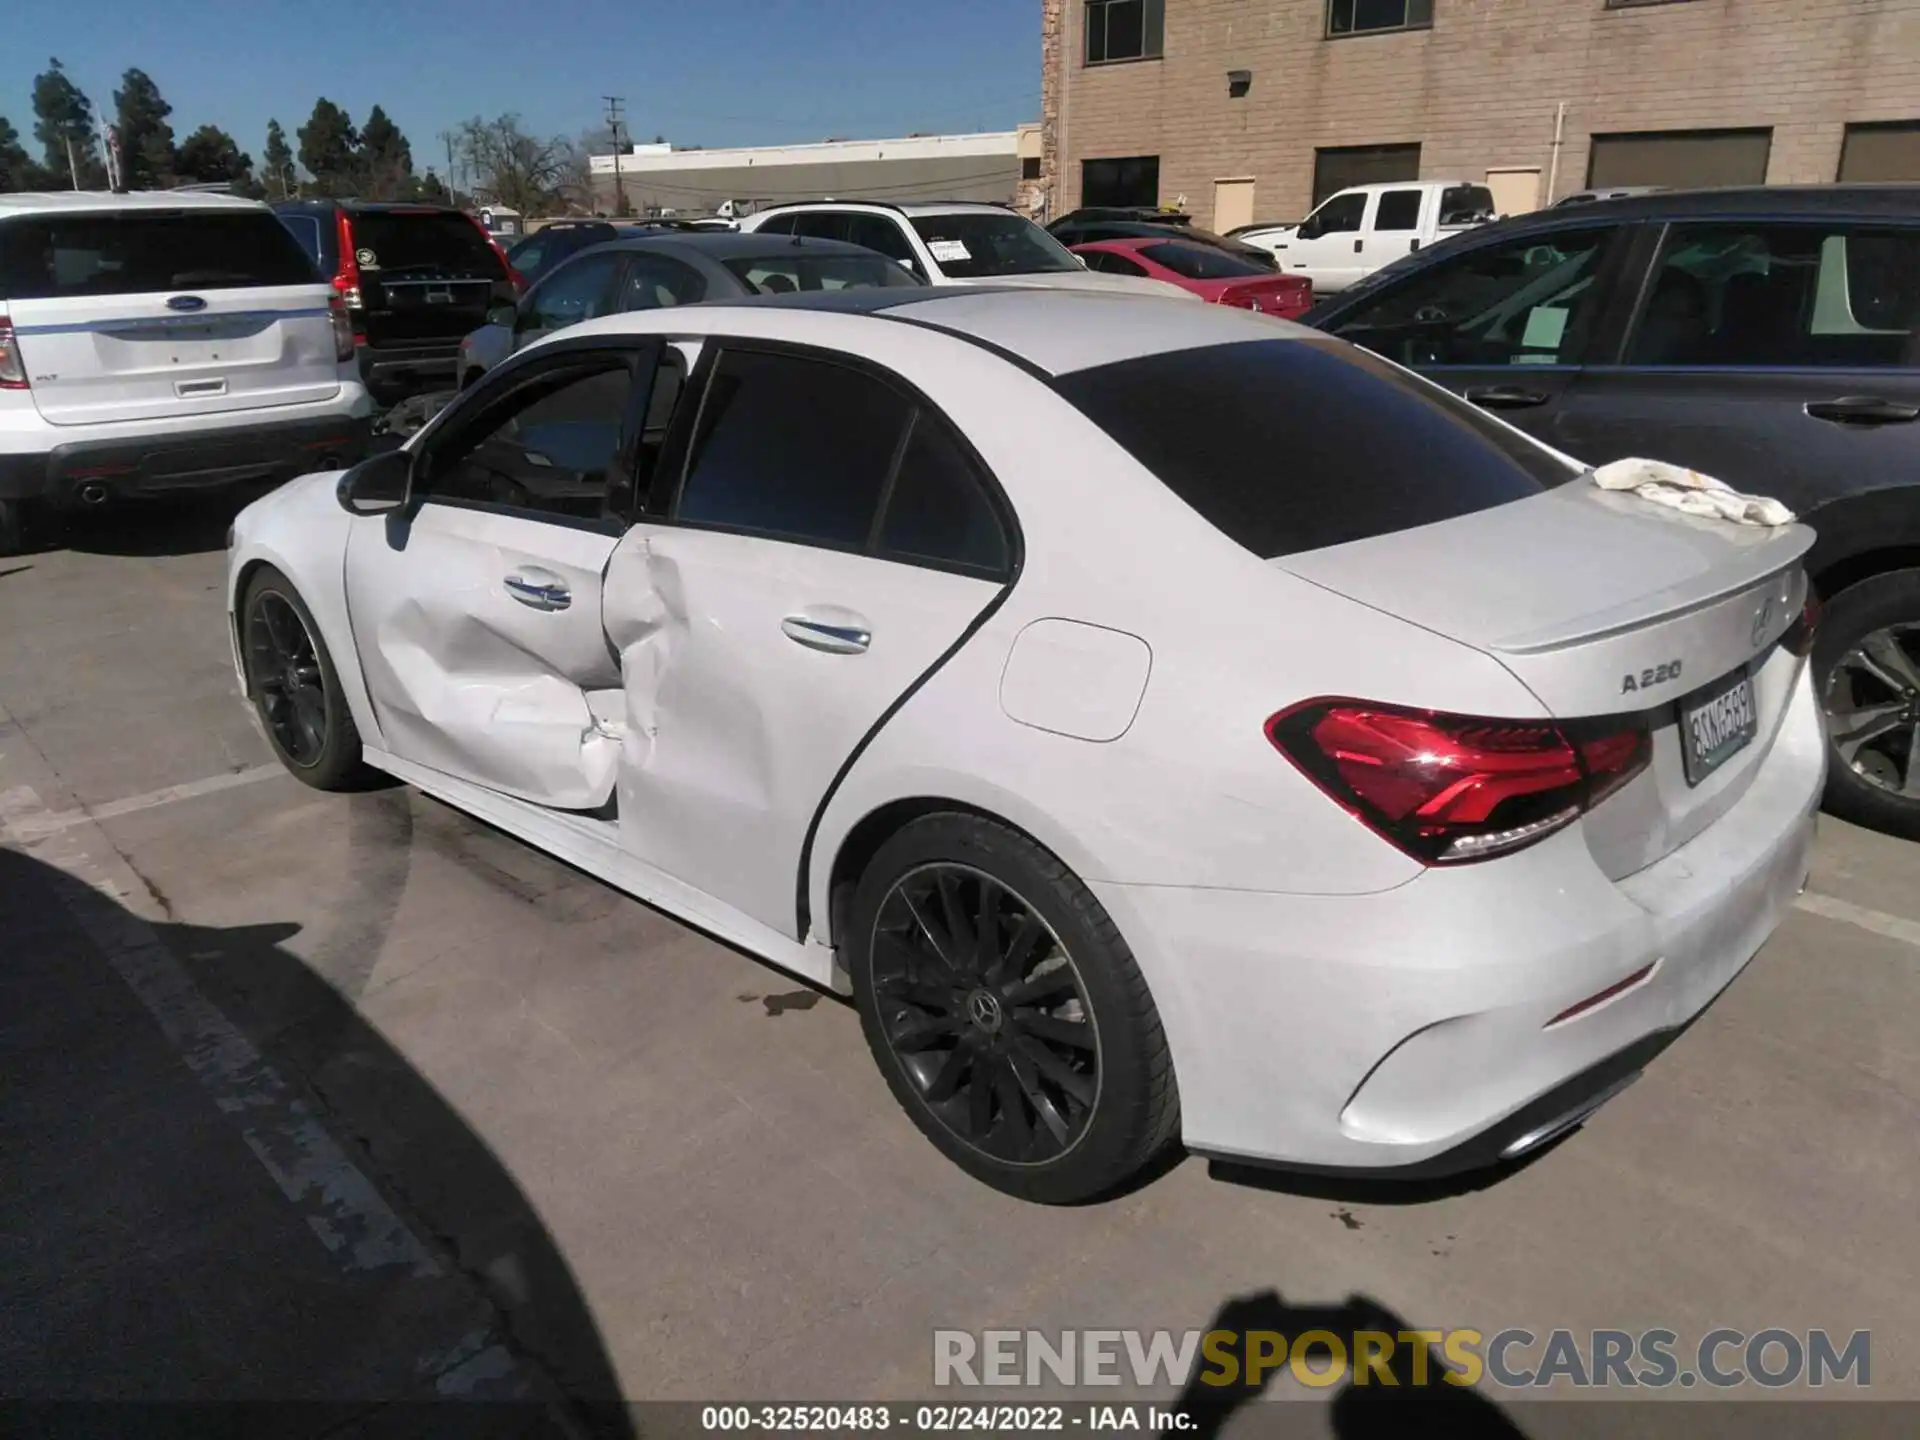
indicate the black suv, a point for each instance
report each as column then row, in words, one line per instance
column 416, row 279
column 1766, row 336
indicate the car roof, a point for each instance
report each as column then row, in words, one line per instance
column 1053, row 332
column 1376, row 187
column 70, row 202
column 1742, row 201
column 909, row 208
column 365, row 207
column 731, row 245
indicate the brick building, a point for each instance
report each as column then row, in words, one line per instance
column 1243, row 110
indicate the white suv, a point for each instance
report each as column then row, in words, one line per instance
column 152, row 343
column 953, row 243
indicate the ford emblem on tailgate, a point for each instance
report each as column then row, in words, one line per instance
column 186, row 302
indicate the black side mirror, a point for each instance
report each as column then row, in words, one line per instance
column 503, row 313
column 377, row 484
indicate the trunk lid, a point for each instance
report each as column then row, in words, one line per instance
column 1604, row 604
column 425, row 275
column 1287, row 296
column 147, row 313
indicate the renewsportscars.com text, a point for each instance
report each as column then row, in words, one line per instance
column 1513, row 1358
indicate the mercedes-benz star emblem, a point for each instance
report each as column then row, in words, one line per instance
column 983, row 1009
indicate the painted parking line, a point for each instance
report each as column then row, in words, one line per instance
column 41, row 823
column 1893, row 927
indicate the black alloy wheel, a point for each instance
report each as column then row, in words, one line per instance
column 287, row 679
column 986, row 1014
column 294, row 687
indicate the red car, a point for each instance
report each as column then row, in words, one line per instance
column 1209, row 273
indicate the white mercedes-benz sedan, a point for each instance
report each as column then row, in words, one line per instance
column 1162, row 720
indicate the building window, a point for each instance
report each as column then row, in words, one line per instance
column 1124, row 30
column 1133, row 181
column 1361, row 17
column 1680, row 159
column 1029, row 167
column 1885, row 150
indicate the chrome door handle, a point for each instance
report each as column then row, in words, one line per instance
column 541, row 589
column 819, row 635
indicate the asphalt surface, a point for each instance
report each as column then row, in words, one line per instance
column 353, row 1100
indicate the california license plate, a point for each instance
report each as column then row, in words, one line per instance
column 1716, row 725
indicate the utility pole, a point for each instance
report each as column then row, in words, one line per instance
column 613, row 125
column 453, row 181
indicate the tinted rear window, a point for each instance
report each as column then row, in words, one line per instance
column 144, row 252
column 1198, row 262
column 439, row 240
column 1292, row 445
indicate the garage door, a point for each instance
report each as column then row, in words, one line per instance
column 1881, row 152
column 1337, row 167
column 1680, row 159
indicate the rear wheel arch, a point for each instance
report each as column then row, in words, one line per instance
column 1862, row 535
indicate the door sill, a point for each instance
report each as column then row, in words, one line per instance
column 592, row 844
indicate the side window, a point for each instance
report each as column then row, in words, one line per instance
column 1109, row 262
column 791, row 447
column 883, row 235
column 1528, row 302
column 554, row 450
column 778, row 225
column 1398, row 210
column 1339, row 215
column 576, row 291
column 1804, row 296
column 654, row 282
column 821, row 225
column 938, row 509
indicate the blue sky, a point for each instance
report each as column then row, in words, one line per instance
column 736, row 73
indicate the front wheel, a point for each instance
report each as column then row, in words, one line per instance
column 294, row 686
column 1007, row 1013
column 1867, row 670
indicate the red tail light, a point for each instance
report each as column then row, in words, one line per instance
column 343, row 336
column 1449, row 789
column 1798, row 637
column 346, row 275
column 13, row 370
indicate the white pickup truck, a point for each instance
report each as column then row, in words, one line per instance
column 1356, row 231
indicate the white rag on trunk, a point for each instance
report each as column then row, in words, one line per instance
column 1690, row 492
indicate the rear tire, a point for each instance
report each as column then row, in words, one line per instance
column 1027, row 1049
column 13, row 527
column 1866, row 672
column 295, row 687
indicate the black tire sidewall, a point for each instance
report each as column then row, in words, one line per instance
column 339, row 760
column 1857, row 611
column 1110, row 1149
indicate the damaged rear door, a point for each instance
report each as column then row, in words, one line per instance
column 820, row 540
column 477, row 608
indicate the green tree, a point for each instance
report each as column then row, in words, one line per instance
column 386, row 159
column 209, row 155
column 277, row 161
column 63, row 124
column 146, row 139
column 330, row 149
column 17, row 170
column 431, row 191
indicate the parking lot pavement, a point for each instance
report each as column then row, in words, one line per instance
column 615, row 1157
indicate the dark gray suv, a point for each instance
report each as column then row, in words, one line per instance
column 1767, row 336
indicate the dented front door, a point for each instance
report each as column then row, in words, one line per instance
column 478, row 615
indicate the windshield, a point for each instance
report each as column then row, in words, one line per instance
column 1292, row 445
column 440, row 240
column 140, row 252
column 786, row 271
column 978, row 244
column 1200, row 262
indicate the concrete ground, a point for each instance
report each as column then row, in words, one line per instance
column 353, row 1099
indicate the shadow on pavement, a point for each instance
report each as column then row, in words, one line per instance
column 1415, row 1403
column 186, row 1223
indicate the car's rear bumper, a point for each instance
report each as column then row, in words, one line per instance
column 1417, row 1030
column 394, row 372
column 104, row 467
